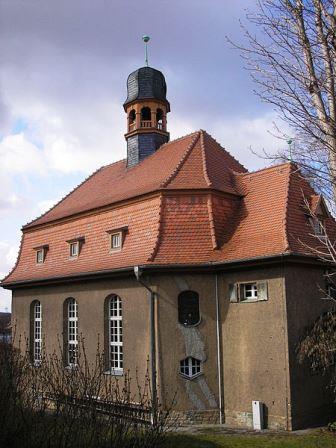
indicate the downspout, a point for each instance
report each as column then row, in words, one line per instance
column 152, row 337
column 219, row 357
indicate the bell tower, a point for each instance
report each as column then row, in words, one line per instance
column 146, row 107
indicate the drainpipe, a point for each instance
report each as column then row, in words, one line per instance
column 219, row 357
column 151, row 296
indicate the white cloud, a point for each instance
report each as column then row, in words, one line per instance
column 18, row 155
column 8, row 255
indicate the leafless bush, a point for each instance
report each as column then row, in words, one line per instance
column 51, row 405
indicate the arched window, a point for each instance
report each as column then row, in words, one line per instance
column 36, row 331
column 146, row 114
column 131, row 116
column 114, row 334
column 188, row 308
column 71, row 332
column 159, row 118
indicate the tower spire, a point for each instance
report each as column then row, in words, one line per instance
column 146, row 39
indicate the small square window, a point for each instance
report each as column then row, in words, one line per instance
column 74, row 249
column 116, row 241
column 249, row 291
column 40, row 256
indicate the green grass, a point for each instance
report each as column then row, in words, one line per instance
column 315, row 440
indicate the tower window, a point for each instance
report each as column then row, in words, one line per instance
column 159, row 118
column 132, row 116
column 146, row 114
column 190, row 367
column 188, row 308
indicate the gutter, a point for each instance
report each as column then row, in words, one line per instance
column 155, row 268
column 219, row 352
column 152, row 326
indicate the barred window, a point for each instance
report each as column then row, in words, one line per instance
column 72, row 332
column 188, row 308
column 116, row 239
column 37, row 332
column 190, row 367
column 115, row 335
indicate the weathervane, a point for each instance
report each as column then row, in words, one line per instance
column 146, row 38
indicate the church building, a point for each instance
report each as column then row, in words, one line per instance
column 180, row 255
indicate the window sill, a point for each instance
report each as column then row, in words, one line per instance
column 71, row 367
column 114, row 372
column 112, row 251
column 252, row 300
column 186, row 377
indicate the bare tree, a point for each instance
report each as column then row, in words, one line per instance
column 291, row 55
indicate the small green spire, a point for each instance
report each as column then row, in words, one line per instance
column 290, row 142
column 146, row 39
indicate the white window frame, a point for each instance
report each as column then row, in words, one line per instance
column 249, row 292
column 187, row 365
column 115, row 336
column 116, row 236
column 41, row 251
column 72, row 332
column 74, row 244
column 37, row 332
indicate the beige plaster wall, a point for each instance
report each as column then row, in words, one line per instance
column 254, row 347
column 254, row 343
column 90, row 297
column 311, row 401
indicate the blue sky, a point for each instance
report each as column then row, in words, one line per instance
column 63, row 76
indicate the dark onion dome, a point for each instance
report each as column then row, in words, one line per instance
column 144, row 84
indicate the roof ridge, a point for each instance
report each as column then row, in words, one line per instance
column 217, row 142
column 205, row 169
column 261, row 170
column 175, row 171
column 158, row 239
column 212, row 223
column 159, row 149
column 31, row 223
column 286, row 211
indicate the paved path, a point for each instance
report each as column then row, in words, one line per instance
column 223, row 429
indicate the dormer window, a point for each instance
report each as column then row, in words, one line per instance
column 318, row 226
column 75, row 246
column 41, row 252
column 116, row 241
column 117, row 237
column 40, row 256
column 74, row 249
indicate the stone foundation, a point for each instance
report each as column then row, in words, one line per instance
column 186, row 418
column 234, row 419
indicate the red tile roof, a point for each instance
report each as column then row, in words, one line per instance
column 190, row 202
